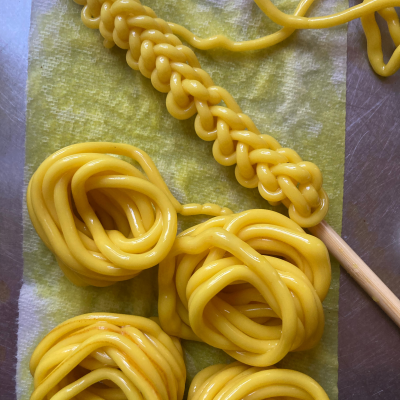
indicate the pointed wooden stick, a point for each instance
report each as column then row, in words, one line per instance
column 360, row 271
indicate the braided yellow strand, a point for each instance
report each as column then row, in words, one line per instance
column 237, row 381
column 108, row 356
column 279, row 173
column 215, row 286
column 365, row 11
column 104, row 220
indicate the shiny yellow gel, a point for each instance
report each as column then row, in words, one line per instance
column 279, row 173
column 104, row 220
column 250, row 284
column 290, row 23
column 237, row 381
column 108, row 356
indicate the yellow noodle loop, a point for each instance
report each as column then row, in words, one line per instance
column 250, row 284
column 365, row 11
column 279, row 173
column 110, row 357
column 104, row 220
column 237, row 381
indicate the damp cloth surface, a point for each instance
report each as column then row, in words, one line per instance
column 78, row 91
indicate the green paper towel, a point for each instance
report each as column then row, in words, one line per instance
column 79, row 91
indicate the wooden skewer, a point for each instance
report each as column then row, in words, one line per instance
column 360, row 271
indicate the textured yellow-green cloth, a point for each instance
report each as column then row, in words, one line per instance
column 79, row 91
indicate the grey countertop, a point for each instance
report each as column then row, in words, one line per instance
column 369, row 342
column 14, row 30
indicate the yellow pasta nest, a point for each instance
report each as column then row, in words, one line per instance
column 105, row 220
column 279, row 173
column 250, row 284
column 108, row 356
column 237, row 381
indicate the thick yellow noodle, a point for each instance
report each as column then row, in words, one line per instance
column 104, row 220
column 108, row 356
column 279, row 173
column 250, row 284
column 237, row 381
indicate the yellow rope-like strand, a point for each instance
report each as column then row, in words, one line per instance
column 279, row 173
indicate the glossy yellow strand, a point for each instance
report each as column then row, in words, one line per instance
column 223, row 284
column 279, row 173
column 237, row 381
column 108, row 356
column 221, row 41
column 365, row 11
column 104, row 220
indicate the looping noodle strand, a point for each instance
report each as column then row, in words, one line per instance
column 105, row 220
column 237, row 381
column 108, row 356
column 365, row 11
column 250, row 284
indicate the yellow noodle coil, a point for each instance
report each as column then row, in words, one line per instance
column 279, row 173
column 105, row 220
column 250, row 284
column 237, row 381
column 104, row 356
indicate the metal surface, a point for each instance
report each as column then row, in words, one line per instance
column 369, row 343
column 14, row 28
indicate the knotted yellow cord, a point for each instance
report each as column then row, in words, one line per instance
column 365, row 11
column 216, row 286
column 104, row 220
column 108, row 356
column 237, row 381
column 279, row 173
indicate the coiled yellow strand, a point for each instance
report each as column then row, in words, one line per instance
column 108, row 356
column 237, row 381
column 105, row 220
column 279, row 173
column 250, row 284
